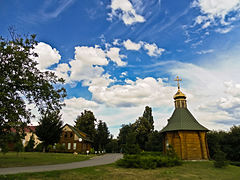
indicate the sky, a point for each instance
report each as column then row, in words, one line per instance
column 118, row 56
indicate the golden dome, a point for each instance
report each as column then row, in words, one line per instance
column 179, row 95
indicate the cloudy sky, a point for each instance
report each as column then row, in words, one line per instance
column 117, row 56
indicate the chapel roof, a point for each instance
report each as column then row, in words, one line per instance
column 182, row 119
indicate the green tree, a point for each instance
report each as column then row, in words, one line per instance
column 142, row 128
column 131, row 146
column 86, row 123
column 112, row 146
column 21, row 82
column 50, row 128
column 154, row 142
column 148, row 115
column 122, row 136
column 102, row 136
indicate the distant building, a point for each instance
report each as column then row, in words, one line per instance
column 74, row 140
column 29, row 131
column 184, row 133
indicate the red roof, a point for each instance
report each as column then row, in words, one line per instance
column 26, row 129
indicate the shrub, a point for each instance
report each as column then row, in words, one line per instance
column 60, row 147
column 148, row 161
column 220, row 159
column 92, row 151
column 131, row 149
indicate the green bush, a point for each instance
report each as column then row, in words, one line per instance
column 148, row 161
column 220, row 159
column 60, row 147
column 131, row 149
column 92, row 151
column 151, row 153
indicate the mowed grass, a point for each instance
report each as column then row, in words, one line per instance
column 188, row 171
column 12, row 159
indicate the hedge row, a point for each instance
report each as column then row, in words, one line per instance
column 146, row 161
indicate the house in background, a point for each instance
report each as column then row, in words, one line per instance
column 74, row 140
column 29, row 131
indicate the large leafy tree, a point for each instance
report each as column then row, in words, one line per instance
column 86, row 123
column 124, row 131
column 142, row 128
column 21, row 82
column 102, row 136
column 50, row 128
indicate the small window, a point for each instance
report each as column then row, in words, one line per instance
column 71, row 134
column 69, row 145
column 74, row 146
column 65, row 135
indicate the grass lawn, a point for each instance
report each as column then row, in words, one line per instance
column 11, row 159
column 188, row 171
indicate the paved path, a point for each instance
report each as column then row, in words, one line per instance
column 98, row 160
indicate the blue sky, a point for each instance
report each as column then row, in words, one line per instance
column 118, row 56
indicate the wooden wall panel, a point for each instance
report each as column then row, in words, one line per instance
column 189, row 145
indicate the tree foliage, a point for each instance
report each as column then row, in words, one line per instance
column 154, row 142
column 143, row 131
column 21, row 81
column 148, row 115
column 86, row 123
column 102, row 136
column 50, row 128
column 226, row 142
column 142, row 127
column 112, row 146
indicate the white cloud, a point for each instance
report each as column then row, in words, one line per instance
column 153, row 49
column 224, row 30
column 75, row 106
column 141, row 92
column 123, row 74
column 116, row 42
column 129, row 45
column 125, row 11
column 90, row 55
column 205, row 51
column 62, row 71
column 113, row 54
column 47, row 55
column 214, row 12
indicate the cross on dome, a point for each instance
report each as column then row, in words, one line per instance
column 177, row 79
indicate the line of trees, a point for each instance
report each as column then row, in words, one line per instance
column 225, row 142
column 138, row 136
